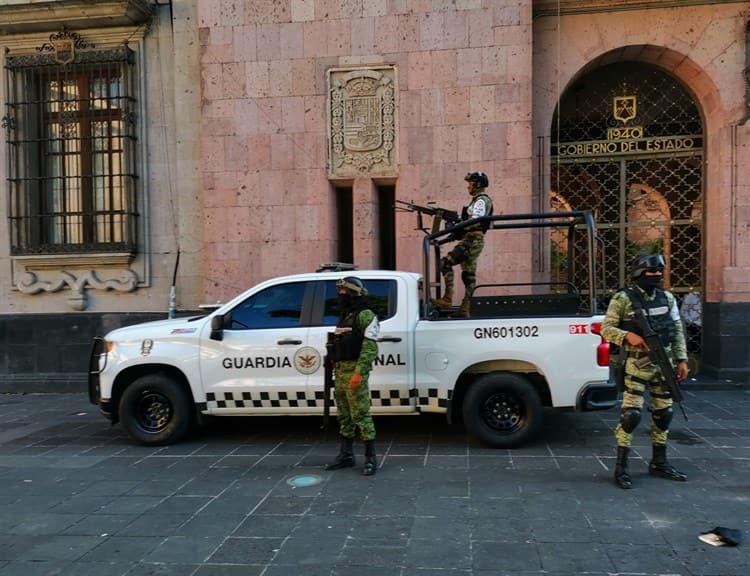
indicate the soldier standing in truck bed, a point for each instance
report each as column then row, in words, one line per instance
column 467, row 251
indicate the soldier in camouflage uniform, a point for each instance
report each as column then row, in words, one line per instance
column 467, row 251
column 356, row 349
column 621, row 328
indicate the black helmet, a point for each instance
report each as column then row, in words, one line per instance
column 479, row 179
column 646, row 262
column 353, row 286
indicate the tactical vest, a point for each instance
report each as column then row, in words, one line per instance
column 658, row 314
column 348, row 342
column 484, row 226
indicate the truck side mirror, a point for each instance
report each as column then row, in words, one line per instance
column 217, row 327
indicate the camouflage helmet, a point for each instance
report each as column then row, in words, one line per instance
column 478, row 179
column 646, row 262
column 352, row 285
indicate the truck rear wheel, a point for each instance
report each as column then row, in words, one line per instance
column 155, row 410
column 502, row 410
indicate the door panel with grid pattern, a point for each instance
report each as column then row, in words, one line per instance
column 639, row 166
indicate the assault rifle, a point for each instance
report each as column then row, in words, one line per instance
column 438, row 215
column 656, row 352
column 328, row 379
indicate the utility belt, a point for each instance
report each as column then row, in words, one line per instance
column 638, row 354
column 474, row 234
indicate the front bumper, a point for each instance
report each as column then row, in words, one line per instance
column 98, row 350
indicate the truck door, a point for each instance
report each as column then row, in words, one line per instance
column 254, row 368
column 390, row 381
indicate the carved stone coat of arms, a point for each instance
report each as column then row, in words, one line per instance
column 362, row 122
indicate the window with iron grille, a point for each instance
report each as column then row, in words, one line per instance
column 71, row 142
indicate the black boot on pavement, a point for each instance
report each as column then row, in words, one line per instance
column 371, row 464
column 660, row 467
column 345, row 457
column 622, row 477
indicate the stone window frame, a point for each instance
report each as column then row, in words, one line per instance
column 120, row 271
column 71, row 130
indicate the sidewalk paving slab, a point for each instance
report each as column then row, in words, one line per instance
column 80, row 498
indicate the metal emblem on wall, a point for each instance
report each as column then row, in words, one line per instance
column 63, row 46
column 624, row 108
column 362, row 121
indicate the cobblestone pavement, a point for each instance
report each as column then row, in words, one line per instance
column 249, row 496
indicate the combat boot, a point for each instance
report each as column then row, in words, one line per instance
column 660, row 467
column 345, row 457
column 622, row 477
column 371, row 464
column 463, row 310
column 445, row 302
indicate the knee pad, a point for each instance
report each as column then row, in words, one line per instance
column 446, row 265
column 662, row 418
column 459, row 254
column 468, row 278
column 629, row 419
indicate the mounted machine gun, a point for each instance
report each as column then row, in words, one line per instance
column 451, row 217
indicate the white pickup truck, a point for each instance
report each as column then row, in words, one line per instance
column 262, row 353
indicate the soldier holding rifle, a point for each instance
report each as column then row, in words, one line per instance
column 467, row 251
column 644, row 321
column 353, row 349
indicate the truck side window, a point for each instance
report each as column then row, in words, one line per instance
column 381, row 297
column 275, row 307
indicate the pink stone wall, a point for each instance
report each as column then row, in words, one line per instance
column 464, row 103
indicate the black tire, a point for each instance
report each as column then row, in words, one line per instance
column 155, row 410
column 502, row 409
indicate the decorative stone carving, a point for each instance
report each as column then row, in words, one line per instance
column 362, row 122
column 29, row 283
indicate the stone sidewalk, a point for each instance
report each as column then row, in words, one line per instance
column 249, row 496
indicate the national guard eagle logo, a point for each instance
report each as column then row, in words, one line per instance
column 624, row 108
column 307, row 360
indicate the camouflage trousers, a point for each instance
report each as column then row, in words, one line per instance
column 352, row 406
column 636, row 382
column 466, row 253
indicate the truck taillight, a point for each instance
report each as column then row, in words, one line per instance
column 602, row 351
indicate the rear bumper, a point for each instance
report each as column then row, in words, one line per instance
column 597, row 396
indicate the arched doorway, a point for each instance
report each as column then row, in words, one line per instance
column 627, row 142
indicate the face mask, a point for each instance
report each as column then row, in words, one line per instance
column 648, row 283
column 345, row 301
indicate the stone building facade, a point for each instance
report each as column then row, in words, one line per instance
column 163, row 155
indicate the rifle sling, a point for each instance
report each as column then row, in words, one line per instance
column 636, row 300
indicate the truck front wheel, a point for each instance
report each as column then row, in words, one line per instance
column 502, row 410
column 155, row 410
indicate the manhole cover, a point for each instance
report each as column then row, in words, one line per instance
column 304, row 481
